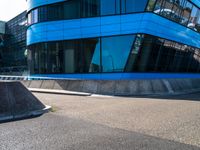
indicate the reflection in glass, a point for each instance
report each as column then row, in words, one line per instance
column 71, row 9
column 90, row 8
column 128, row 53
column 115, row 51
column 105, row 10
column 91, row 55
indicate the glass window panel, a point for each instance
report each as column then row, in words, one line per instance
column 35, row 16
column 135, row 6
column 91, row 55
column 72, row 9
column 108, row 7
column 133, row 56
column 197, row 26
column 42, row 14
column 194, row 18
column 72, row 57
column 29, row 18
column 144, row 54
column 166, row 10
column 151, row 5
column 55, row 12
column 178, row 11
column 54, row 57
column 115, row 52
column 90, row 8
column 186, row 12
column 158, row 6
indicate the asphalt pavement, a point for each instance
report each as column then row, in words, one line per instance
column 106, row 122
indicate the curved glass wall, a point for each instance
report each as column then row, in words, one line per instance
column 134, row 53
column 74, row 9
column 180, row 11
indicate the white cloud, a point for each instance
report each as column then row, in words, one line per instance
column 11, row 8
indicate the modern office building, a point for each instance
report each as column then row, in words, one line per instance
column 13, row 56
column 2, row 35
column 15, row 41
column 92, row 38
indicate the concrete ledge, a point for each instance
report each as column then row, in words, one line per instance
column 58, row 92
column 17, row 102
column 115, row 87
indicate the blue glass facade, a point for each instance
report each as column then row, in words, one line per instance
column 115, row 36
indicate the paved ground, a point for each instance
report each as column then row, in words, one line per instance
column 97, row 122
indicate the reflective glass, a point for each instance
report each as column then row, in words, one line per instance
column 115, row 51
column 135, row 6
column 55, row 12
column 193, row 22
column 35, row 16
column 72, row 60
column 72, row 9
column 152, row 54
column 145, row 53
column 91, row 55
column 90, row 8
column 42, row 14
column 54, row 57
column 187, row 12
column 151, row 5
column 108, row 7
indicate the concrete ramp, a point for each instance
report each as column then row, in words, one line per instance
column 17, row 102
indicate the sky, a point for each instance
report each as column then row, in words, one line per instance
column 11, row 8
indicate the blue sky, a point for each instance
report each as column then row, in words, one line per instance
column 11, row 8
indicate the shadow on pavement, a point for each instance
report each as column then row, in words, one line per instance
column 60, row 132
column 189, row 97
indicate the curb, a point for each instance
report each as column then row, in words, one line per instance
column 64, row 92
column 27, row 115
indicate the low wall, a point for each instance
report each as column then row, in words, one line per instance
column 120, row 87
column 17, row 102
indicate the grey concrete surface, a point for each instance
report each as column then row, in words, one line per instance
column 106, row 122
column 120, row 87
column 16, row 101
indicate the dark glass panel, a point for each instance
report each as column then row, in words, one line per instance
column 54, row 57
column 72, row 9
column 156, row 48
column 40, row 58
column 133, row 56
column 144, row 53
column 55, row 12
column 90, row 8
column 91, row 55
column 115, row 51
column 135, row 6
column 72, row 57
column 109, row 7
column 175, row 63
column 42, row 11
column 118, row 6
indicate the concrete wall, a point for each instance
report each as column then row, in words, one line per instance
column 17, row 102
column 120, row 87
